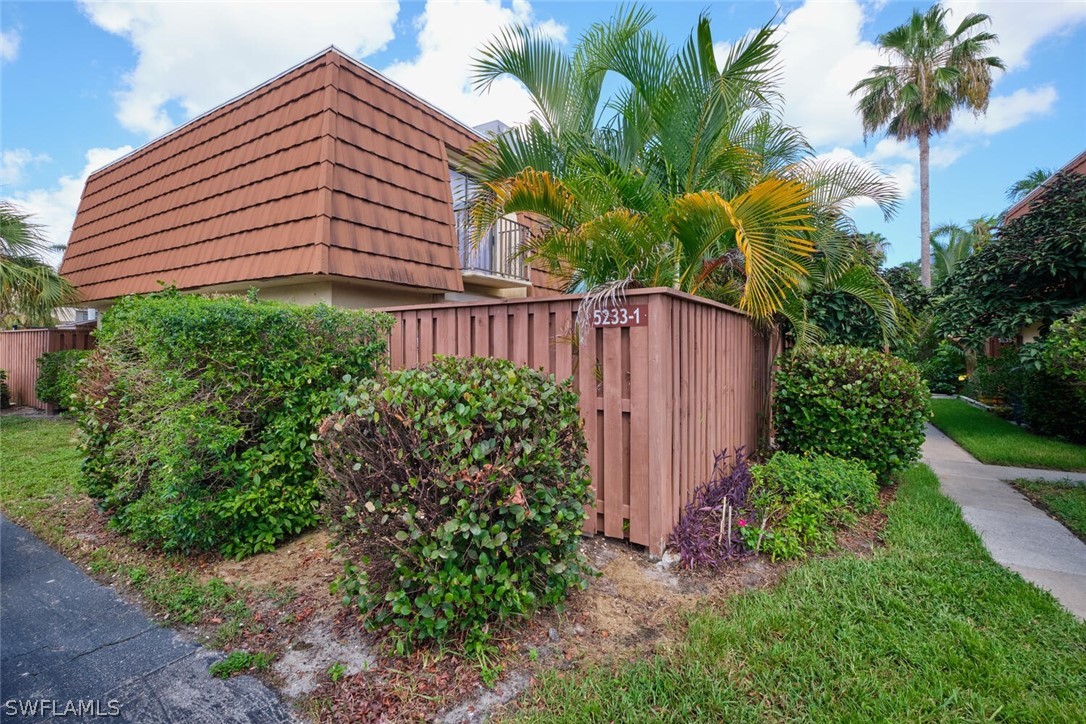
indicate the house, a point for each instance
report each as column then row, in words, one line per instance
column 995, row 345
column 328, row 183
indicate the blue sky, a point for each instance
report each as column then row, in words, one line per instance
column 82, row 83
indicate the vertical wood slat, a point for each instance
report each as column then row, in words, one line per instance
column 611, row 433
column 19, row 353
column 693, row 375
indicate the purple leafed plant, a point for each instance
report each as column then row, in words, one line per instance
column 708, row 532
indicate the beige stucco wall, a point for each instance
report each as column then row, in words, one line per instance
column 1030, row 333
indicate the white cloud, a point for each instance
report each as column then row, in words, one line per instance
column 201, row 57
column 54, row 208
column 1021, row 25
column 449, row 36
column 1006, row 112
column 9, row 45
column 15, row 161
column 823, row 56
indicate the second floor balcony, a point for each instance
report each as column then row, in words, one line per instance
column 495, row 260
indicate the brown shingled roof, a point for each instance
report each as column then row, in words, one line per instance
column 328, row 169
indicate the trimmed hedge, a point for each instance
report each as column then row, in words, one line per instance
column 797, row 502
column 852, row 403
column 457, row 494
column 197, row 415
column 58, row 376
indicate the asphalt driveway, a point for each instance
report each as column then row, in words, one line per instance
column 73, row 650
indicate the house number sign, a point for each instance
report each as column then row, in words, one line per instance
column 627, row 315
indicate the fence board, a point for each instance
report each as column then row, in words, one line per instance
column 656, row 400
column 19, row 353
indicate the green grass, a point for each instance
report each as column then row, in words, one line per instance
column 995, row 441
column 1064, row 501
column 239, row 661
column 39, row 463
column 929, row 629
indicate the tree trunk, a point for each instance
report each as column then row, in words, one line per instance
column 925, row 213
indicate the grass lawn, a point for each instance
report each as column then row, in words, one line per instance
column 1064, row 501
column 929, row 629
column 39, row 464
column 995, row 441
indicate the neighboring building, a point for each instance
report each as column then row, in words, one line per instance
column 995, row 345
column 1076, row 165
column 328, row 183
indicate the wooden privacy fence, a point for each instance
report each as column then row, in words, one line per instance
column 19, row 353
column 665, row 380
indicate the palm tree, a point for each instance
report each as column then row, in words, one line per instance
column 1021, row 188
column 952, row 243
column 932, row 73
column 683, row 177
column 30, row 289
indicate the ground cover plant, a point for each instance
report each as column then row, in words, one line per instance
column 995, row 441
column 797, row 503
column 1066, row 502
column 851, row 403
column 929, row 628
column 58, row 376
column 456, row 493
column 197, row 414
column 786, row 507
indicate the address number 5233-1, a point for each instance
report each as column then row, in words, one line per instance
column 629, row 315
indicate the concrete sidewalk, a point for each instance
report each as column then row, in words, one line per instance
column 1019, row 535
column 67, row 641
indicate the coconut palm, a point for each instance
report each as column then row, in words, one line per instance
column 932, row 73
column 682, row 177
column 30, row 288
column 1021, row 188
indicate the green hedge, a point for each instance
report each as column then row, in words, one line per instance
column 58, row 376
column 457, row 494
column 799, row 501
column 851, row 403
column 198, row 414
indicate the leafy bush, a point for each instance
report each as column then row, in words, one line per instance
column 1051, row 406
column 457, row 493
column 1064, row 352
column 5, row 393
column 944, row 369
column 996, row 380
column 709, row 528
column 198, row 414
column 58, row 376
column 799, row 501
column 851, row 403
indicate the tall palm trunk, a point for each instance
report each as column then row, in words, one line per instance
column 925, row 212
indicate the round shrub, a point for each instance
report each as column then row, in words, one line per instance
column 197, row 415
column 58, row 376
column 851, row 403
column 457, row 493
column 796, row 502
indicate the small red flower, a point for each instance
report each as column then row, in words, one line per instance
column 742, row 523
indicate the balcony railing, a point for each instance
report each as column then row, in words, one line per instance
column 496, row 255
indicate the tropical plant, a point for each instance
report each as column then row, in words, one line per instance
column 681, row 177
column 1021, row 188
column 1034, row 270
column 953, row 243
column 30, row 289
column 931, row 73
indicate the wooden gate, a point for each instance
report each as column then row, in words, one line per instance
column 665, row 380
